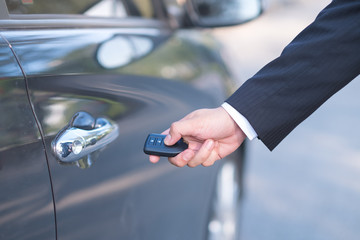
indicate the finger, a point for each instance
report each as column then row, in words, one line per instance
column 203, row 154
column 154, row 159
column 166, row 132
column 173, row 135
column 211, row 160
column 177, row 130
column 182, row 159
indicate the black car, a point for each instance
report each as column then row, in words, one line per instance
column 82, row 83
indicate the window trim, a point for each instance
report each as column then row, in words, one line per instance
column 44, row 21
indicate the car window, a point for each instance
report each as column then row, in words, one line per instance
column 98, row 8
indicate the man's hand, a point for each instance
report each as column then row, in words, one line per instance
column 211, row 134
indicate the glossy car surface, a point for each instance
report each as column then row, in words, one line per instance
column 140, row 75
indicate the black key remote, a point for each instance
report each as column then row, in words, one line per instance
column 154, row 145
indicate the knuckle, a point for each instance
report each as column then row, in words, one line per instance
column 177, row 162
column 208, row 163
column 174, row 126
column 178, row 165
column 174, row 163
column 192, row 164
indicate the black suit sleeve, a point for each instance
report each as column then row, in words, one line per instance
column 321, row 60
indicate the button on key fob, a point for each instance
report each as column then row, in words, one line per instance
column 154, row 145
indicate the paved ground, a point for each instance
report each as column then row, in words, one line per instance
column 308, row 187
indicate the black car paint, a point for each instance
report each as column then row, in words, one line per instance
column 122, row 196
column 26, row 204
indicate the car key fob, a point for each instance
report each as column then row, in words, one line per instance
column 154, row 145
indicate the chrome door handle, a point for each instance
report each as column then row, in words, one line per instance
column 83, row 136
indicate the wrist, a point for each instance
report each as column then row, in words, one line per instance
column 229, row 121
column 240, row 121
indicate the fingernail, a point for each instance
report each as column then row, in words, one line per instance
column 209, row 145
column 167, row 139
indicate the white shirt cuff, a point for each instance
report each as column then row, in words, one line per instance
column 240, row 120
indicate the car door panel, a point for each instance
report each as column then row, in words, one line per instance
column 26, row 203
column 122, row 195
column 136, row 112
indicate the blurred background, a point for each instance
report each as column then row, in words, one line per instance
column 309, row 186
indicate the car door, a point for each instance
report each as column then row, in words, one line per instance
column 26, row 203
column 135, row 75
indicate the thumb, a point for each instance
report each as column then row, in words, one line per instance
column 177, row 131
